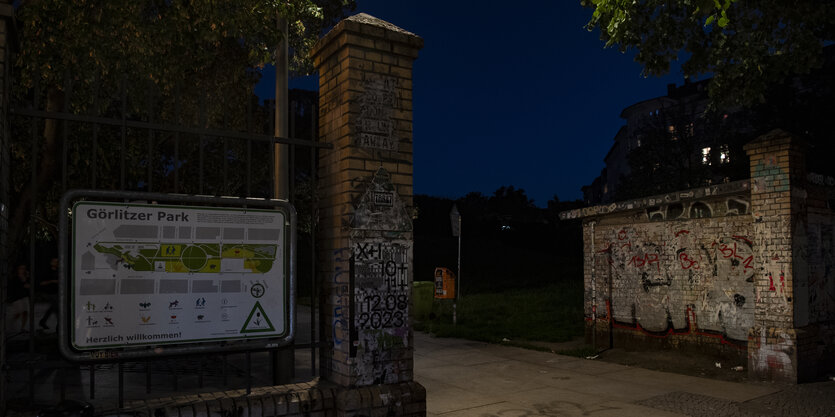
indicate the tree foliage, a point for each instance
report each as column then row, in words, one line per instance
column 163, row 40
column 745, row 45
column 179, row 62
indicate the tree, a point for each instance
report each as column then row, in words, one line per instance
column 194, row 60
column 745, row 45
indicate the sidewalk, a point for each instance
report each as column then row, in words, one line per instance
column 464, row 378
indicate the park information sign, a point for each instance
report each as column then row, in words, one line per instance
column 153, row 274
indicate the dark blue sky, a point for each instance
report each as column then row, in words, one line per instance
column 512, row 93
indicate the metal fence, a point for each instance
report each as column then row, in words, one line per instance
column 98, row 134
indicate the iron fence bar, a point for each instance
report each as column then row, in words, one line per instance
column 95, row 153
column 225, row 189
column 292, row 153
column 92, row 381
column 249, row 373
column 150, row 137
column 272, row 152
column 223, row 369
column 177, row 139
column 314, row 295
column 62, row 378
column 249, row 148
column 64, row 134
column 4, row 278
column 147, row 376
column 121, row 394
column 124, row 133
column 203, row 122
column 32, row 268
column 137, row 124
column 176, row 380
column 200, row 373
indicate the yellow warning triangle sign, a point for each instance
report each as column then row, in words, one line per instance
column 257, row 321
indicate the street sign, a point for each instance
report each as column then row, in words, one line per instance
column 455, row 220
column 145, row 274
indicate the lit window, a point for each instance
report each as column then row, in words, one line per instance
column 671, row 129
column 724, row 154
column 706, row 156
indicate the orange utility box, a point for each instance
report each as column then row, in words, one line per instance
column 444, row 283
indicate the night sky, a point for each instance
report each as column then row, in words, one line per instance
column 510, row 93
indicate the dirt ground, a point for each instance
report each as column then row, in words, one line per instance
column 681, row 363
column 674, row 361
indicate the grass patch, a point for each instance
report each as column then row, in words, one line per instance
column 548, row 314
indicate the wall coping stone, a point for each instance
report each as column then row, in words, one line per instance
column 736, row 187
column 363, row 24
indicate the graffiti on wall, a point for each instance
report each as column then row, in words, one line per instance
column 381, row 275
column 340, row 300
column 381, row 308
column 380, row 208
column 375, row 126
column 668, row 279
column 773, row 353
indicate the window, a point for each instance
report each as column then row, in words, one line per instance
column 724, row 155
column 706, row 155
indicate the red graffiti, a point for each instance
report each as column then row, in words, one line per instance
column 647, row 259
column 686, row 262
column 771, row 286
column 681, row 232
column 692, row 328
column 782, row 283
column 731, row 252
column 744, row 239
column 607, row 250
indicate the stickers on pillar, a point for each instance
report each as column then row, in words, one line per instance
column 257, row 321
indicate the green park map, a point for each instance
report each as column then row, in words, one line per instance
column 189, row 258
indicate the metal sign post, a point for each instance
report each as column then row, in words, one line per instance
column 455, row 220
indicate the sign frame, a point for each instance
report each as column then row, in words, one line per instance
column 249, row 342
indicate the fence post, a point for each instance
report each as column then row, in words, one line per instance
column 6, row 27
column 365, row 183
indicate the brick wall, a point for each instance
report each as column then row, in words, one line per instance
column 663, row 272
column 366, row 201
column 741, row 269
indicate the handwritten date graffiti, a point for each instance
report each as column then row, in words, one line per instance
column 381, row 310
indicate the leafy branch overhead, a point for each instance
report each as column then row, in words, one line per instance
column 744, row 45
column 164, row 40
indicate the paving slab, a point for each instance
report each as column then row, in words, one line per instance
column 465, row 378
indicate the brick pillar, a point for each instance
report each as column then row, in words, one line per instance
column 365, row 102
column 778, row 199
